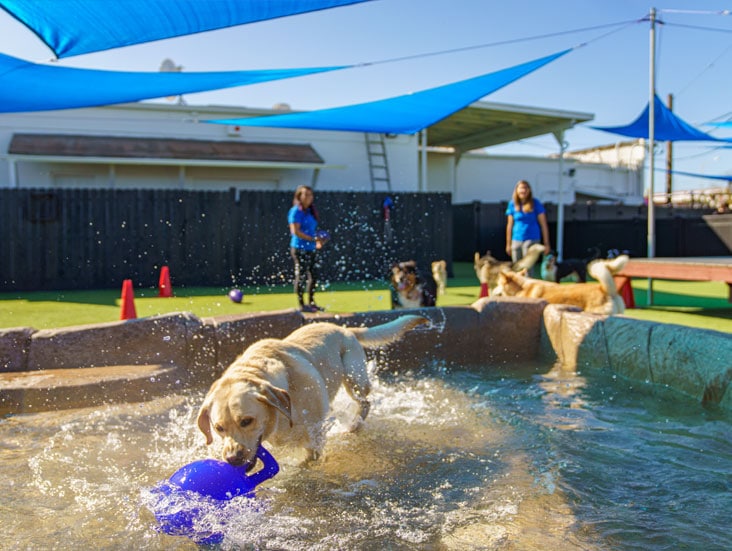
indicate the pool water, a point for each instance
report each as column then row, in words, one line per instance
column 527, row 457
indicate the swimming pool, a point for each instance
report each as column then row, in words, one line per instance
column 520, row 457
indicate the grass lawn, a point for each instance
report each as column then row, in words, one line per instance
column 695, row 304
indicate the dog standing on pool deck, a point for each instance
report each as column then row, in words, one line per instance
column 411, row 287
column 551, row 270
column 281, row 390
column 439, row 273
column 487, row 267
column 599, row 298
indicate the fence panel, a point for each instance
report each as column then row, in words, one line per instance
column 81, row 239
column 480, row 227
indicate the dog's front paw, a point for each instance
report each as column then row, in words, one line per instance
column 356, row 424
column 312, row 456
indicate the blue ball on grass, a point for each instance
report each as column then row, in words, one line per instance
column 236, row 295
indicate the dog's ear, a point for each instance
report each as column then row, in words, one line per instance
column 277, row 398
column 204, row 423
column 204, row 418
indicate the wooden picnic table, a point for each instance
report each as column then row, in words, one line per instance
column 697, row 268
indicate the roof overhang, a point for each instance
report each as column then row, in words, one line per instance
column 483, row 124
column 591, row 194
column 64, row 148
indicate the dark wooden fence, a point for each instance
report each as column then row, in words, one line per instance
column 86, row 239
column 481, row 227
column 90, row 239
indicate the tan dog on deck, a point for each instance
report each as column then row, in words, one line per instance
column 600, row 298
column 281, row 390
column 439, row 273
column 487, row 267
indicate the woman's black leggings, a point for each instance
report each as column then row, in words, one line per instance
column 306, row 273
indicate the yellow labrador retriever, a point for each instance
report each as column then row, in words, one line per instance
column 281, row 390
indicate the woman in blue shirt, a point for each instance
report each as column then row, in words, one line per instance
column 526, row 224
column 303, row 221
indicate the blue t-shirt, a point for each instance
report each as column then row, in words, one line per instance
column 525, row 224
column 308, row 225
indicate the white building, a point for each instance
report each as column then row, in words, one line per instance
column 159, row 145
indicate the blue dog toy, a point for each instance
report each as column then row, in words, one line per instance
column 236, row 295
column 217, row 480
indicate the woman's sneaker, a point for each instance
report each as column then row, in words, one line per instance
column 309, row 308
column 316, row 308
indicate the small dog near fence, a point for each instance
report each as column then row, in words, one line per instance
column 411, row 287
column 439, row 274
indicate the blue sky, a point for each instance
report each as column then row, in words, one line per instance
column 607, row 77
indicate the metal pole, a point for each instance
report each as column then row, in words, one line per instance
column 13, row 173
column 651, row 146
column 669, row 158
column 423, row 171
column 560, row 199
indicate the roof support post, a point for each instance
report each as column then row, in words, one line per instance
column 12, row 172
column 314, row 178
column 423, row 159
column 559, row 135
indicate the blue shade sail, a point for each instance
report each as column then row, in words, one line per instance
column 406, row 114
column 75, row 27
column 667, row 127
column 723, row 177
column 26, row 86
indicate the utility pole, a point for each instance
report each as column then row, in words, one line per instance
column 651, row 146
column 669, row 157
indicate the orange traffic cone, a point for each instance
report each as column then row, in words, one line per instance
column 483, row 290
column 165, row 288
column 128, row 301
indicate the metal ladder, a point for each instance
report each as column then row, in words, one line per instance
column 378, row 165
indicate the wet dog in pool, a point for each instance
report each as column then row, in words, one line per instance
column 281, row 390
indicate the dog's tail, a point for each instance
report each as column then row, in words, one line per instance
column 373, row 337
column 603, row 271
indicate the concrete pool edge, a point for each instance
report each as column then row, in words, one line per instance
column 493, row 331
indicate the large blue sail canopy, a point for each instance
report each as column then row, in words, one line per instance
column 667, row 127
column 406, row 114
column 75, row 27
column 26, row 86
column 723, row 177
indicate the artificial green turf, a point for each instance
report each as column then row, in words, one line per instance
column 695, row 304
column 701, row 304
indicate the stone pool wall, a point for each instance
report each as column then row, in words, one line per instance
column 138, row 359
column 696, row 362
